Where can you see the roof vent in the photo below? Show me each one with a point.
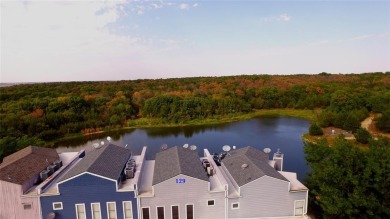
(244, 166)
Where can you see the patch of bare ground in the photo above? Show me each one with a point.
(333, 132)
(369, 124)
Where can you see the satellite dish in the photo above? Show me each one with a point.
(102, 142)
(51, 215)
(126, 146)
(185, 146)
(234, 147)
(193, 147)
(226, 148)
(164, 147)
(267, 150)
(243, 166)
(108, 138)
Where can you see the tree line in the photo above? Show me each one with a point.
(39, 113)
(348, 182)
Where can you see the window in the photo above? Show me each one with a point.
(27, 206)
(210, 202)
(235, 206)
(299, 205)
(175, 212)
(160, 213)
(145, 213)
(127, 210)
(190, 211)
(57, 205)
(80, 211)
(111, 210)
(96, 211)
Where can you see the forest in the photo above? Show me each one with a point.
(41, 113)
(346, 180)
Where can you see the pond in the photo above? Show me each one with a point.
(272, 132)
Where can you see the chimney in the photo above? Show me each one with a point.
(278, 158)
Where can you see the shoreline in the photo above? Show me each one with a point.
(158, 123)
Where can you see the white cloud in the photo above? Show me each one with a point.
(195, 5)
(284, 18)
(362, 37)
(184, 6)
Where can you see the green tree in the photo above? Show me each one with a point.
(383, 122)
(346, 182)
(362, 135)
(351, 123)
(315, 129)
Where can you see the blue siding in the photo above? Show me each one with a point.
(87, 189)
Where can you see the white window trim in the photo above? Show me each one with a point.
(77, 215)
(178, 210)
(237, 204)
(157, 211)
(123, 206)
(54, 208)
(100, 209)
(108, 213)
(193, 210)
(303, 206)
(142, 211)
(211, 200)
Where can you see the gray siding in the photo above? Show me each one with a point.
(193, 191)
(11, 203)
(265, 197)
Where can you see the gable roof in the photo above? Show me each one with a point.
(178, 160)
(27, 163)
(107, 161)
(257, 165)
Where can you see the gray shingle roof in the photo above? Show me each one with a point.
(257, 162)
(107, 161)
(178, 160)
(27, 163)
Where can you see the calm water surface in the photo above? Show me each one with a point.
(280, 132)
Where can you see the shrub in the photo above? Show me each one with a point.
(362, 135)
(315, 129)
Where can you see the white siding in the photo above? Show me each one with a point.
(193, 191)
(11, 203)
(265, 197)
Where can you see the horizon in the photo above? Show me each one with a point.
(43, 42)
(314, 74)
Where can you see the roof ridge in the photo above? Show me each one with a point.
(178, 160)
(14, 157)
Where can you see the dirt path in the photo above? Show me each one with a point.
(367, 122)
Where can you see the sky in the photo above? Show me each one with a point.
(44, 41)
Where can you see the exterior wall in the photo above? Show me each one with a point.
(231, 179)
(11, 203)
(265, 197)
(87, 189)
(30, 183)
(193, 191)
